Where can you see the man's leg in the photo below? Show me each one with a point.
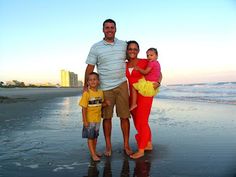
(125, 127)
(122, 108)
(107, 126)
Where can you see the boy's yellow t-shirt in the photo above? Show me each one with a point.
(93, 102)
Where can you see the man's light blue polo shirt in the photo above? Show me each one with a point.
(110, 61)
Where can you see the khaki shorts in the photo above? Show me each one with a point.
(118, 97)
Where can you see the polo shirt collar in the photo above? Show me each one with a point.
(108, 43)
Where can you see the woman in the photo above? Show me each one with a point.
(141, 113)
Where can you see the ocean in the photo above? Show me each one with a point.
(220, 92)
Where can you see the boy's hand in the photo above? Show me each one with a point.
(85, 124)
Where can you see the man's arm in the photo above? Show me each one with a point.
(88, 70)
(160, 79)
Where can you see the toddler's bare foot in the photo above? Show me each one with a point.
(132, 107)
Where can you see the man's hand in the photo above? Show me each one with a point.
(88, 70)
(156, 85)
(106, 103)
(85, 88)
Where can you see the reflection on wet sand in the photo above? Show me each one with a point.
(141, 169)
(92, 169)
(125, 168)
(107, 172)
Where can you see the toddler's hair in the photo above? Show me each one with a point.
(153, 49)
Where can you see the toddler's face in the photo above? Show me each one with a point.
(151, 55)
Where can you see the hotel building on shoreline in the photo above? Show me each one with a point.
(69, 79)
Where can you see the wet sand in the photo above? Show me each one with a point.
(42, 137)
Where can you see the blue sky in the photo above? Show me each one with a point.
(196, 39)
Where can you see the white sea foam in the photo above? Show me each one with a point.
(17, 163)
(223, 92)
(69, 167)
(33, 166)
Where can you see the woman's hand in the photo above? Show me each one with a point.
(136, 68)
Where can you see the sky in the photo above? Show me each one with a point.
(196, 39)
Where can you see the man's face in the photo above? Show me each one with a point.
(109, 31)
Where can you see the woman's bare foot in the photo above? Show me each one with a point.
(95, 158)
(132, 107)
(149, 147)
(137, 155)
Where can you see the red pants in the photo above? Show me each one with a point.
(140, 117)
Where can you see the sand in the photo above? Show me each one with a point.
(42, 137)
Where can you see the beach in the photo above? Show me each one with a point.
(40, 135)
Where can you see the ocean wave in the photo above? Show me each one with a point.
(199, 99)
(220, 92)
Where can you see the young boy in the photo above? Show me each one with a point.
(92, 102)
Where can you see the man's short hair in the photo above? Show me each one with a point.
(109, 21)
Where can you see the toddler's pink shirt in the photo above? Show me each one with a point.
(155, 72)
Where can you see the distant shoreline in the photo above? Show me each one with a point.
(13, 95)
(203, 83)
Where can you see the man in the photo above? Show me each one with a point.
(109, 56)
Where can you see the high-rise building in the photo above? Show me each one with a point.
(69, 79)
